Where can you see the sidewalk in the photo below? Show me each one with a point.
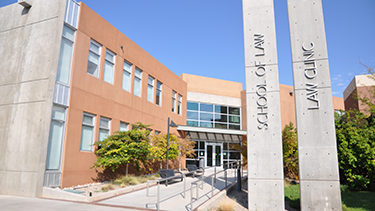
(16, 203)
(171, 198)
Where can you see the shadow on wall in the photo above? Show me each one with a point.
(109, 175)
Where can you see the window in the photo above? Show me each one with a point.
(124, 126)
(56, 138)
(94, 58)
(65, 58)
(87, 134)
(213, 116)
(104, 128)
(157, 132)
(173, 101)
(126, 76)
(158, 93)
(109, 66)
(150, 89)
(137, 82)
(179, 104)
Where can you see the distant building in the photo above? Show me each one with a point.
(361, 86)
(69, 79)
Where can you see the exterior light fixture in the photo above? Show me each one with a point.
(25, 3)
(170, 124)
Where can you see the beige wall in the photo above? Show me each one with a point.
(93, 95)
(212, 86)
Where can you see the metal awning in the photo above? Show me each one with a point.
(212, 134)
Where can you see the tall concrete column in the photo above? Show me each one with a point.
(318, 166)
(265, 155)
(30, 40)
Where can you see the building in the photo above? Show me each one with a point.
(361, 86)
(66, 85)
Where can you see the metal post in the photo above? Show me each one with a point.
(158, 196)
(168, 143)
(215, 174)
(238, 180)
(212, 187)
(184, 186)
(147, 189)
(191, 197)
(225, 175)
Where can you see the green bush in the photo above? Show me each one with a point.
(355, 134)
(290, 152)
(124, 147)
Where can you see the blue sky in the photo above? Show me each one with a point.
(205, 37)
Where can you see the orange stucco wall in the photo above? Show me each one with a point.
(212, 86)
(93, 95)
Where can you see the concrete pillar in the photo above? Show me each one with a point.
(265, 155)
(30, 39)
(318, 166)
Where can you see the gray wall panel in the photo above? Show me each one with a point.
(318, 165)
(265, 167)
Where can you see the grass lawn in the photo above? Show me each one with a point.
(352, 201)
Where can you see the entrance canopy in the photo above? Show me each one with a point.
(212, 134)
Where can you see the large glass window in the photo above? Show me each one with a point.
(173, 101)
(104, 128)
(65, 57)
(150, 89)
(209, 115)
(192, 106)
(158, 93)
(179, 104)
(126, 76)
(87, 134)
(56, 138)
(137, 82)
(94, 58)
(109, 66)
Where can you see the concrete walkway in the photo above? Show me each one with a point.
(171, 198)
(16, 203)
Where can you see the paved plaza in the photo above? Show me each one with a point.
(172, 197)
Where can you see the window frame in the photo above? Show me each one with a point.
(101, 128)
(129, 72)
(97, 54)
(127, 126)
(174, 101)
(59, 67)
(179, 104)
(107, 51)
(63, 122)
(150, 88)
(93, 116)
(158, 91)
(140, 81)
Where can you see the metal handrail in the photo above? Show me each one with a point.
(165, 179)
(213, 178)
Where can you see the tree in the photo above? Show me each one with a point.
(243, 150)
(159, 148)
(186, 148)
(124, 147)
(355, 133)
(290, 151)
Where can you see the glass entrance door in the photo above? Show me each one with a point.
(214, 154)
